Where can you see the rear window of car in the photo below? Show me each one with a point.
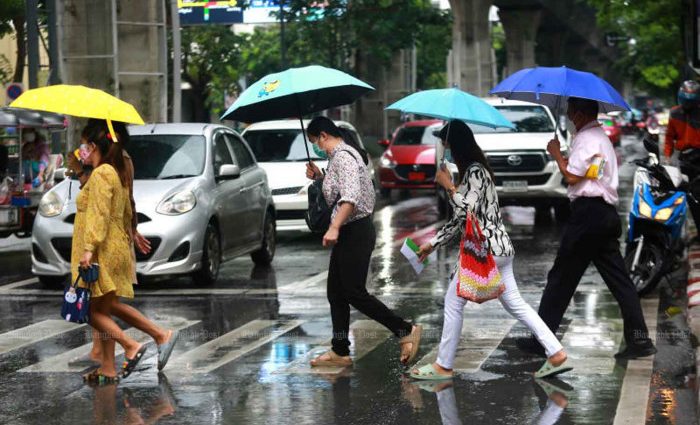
(408, 136)
(525, 118)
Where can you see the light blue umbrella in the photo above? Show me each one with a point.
(294, 93)
(451, 104)
(552, 86)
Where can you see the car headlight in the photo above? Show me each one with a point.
(178, 203)
(644, 209)
(663, 214)
(50, 205)
(388, 163)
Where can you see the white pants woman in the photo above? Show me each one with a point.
(511, 300)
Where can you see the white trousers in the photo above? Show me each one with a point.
(510, 299)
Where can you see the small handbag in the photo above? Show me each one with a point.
(76, 300)
(479, 278)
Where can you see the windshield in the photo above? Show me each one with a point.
(525, 118)
(161, 156)
(412, 136)
(278, 145)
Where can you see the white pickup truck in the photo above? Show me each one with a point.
(525, 173)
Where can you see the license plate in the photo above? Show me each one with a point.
(515, 186)
(9, 217)
(416, 176)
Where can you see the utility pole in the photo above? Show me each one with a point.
(54, 75)
(177, 62)
(32, 43)
(283, 47)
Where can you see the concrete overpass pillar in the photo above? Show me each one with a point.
(471, 62)
(520, 26)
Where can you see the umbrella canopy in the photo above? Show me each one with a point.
(79, 101)
(553, 86)
(294, 93)
(452, 104)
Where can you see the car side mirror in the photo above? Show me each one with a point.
(59, 174)
(384, 142)
(229, 172)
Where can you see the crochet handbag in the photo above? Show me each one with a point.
(479, 278)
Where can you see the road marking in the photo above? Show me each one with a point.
(478, 341)
(365, 336)
(230, 346)
(22, 337)
(634, 394)
(69, 360)
(591, 345)
(21, 283)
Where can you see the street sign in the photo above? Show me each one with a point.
(193, 12)
(261, 12)
(13, 91)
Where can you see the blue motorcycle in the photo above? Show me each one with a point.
(656, 229)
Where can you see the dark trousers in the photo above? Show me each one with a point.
(591, 235)
(347, 277)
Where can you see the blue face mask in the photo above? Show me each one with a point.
(448, 155)
(319, 152)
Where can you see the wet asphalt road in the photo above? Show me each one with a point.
(242, 357)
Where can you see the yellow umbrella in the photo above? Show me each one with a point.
(79, 101)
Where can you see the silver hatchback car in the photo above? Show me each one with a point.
(201, 198)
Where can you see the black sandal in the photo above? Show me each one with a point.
(101, 379)
(130, 364)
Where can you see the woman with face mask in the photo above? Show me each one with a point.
(476, 195)
(348, 186)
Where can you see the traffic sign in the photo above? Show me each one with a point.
(13, 91)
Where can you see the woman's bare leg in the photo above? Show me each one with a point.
(100, 319)
(136, 319)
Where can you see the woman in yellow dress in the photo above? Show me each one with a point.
(100, 236)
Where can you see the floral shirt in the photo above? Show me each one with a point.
(348, 180)
(477, 193)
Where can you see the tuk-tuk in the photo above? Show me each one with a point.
(20, 192)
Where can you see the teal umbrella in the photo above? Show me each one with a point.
(294, 93)
(451, 104)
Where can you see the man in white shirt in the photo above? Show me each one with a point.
(592, 231)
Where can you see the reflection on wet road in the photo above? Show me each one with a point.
(246, 341)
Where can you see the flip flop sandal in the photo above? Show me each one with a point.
(428, 373)
(166, 349)
(434, 386)
(130, 364)
(548, 370)
(334, 360)
(92, 375)
(101, 379)
(413, 338)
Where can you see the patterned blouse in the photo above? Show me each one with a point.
(477, 193)
(347, 176)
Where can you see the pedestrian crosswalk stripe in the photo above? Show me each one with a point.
(365, 336)
(637, 382)
(19, 284)
(22, 337)
(69, 361)
(591, 345)
(479, 340)
(230, 346)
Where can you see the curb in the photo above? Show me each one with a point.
(693, 291)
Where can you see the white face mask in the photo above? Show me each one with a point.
(30, 137)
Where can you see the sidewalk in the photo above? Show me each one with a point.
(693, 291)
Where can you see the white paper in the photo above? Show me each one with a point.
(412, 258)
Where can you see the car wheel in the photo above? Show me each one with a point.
(211, 257)
(52, 282)
(562, 212)
(264, 256)
(385, 193)
(543, 214)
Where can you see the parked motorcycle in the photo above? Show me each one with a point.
(656, 229)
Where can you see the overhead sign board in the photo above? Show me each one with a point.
(261, 12)
(194, 12)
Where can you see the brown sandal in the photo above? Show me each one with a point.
(334, 360)
(414, 339)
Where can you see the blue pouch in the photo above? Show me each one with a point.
(76, 300)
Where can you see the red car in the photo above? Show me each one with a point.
(612, 128)
(409, 160)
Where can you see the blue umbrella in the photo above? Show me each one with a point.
(451, 104)
(294, 93)
(552, 86)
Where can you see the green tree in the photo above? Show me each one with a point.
(655, 60)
